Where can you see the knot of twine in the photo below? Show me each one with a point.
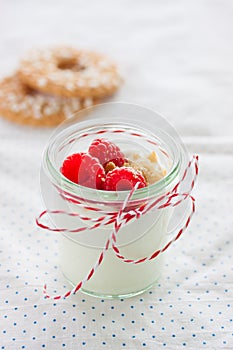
(119, 219)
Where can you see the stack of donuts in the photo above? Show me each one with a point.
(50, 85)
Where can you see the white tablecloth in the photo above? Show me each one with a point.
(176, 57)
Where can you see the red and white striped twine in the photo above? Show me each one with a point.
(170, 199)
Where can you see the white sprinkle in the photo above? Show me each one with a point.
(67, 73)
(48, 110)
(42, 81)
(30, 100)
(37, 65)
(15, 108)
(80, 83)
(36, 112)
(22, 106)
(39, 101)
(69, 86)
(67, 111)
(88, 102)
(54, 103)
(89, 73)
(54, 76)
(93, 83)
(103, 64)
(84, 61)
(11, 97)
(106, 79)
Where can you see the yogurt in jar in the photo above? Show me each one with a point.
(136, 239)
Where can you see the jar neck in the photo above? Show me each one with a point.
(75, 139)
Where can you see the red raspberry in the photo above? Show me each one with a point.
(106, 151)
(123, 179)
(84, 170)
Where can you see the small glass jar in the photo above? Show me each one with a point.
(137, 238)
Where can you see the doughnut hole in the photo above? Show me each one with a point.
(70, 64)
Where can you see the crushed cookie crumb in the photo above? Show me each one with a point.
(153, 157)
(109, 167)
(148, 165)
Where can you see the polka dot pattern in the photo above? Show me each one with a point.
(190, 307)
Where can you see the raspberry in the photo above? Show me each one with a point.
(123, 179)
(106, 151)
(83, 169)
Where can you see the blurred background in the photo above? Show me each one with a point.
(176, 56)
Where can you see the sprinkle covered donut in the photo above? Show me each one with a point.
(23, 105)
(68, 72)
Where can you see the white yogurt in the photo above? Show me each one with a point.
(114, 277)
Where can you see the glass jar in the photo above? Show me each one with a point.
(117, 275)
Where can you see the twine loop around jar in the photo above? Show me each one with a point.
(170, 199)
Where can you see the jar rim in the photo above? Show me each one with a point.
(109, 196)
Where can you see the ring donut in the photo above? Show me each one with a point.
(69, 72)
(23, 105)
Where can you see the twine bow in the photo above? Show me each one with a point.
(119, 219)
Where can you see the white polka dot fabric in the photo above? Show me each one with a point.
(190, 306)
(177, 59)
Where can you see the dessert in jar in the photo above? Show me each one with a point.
(94, 170)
